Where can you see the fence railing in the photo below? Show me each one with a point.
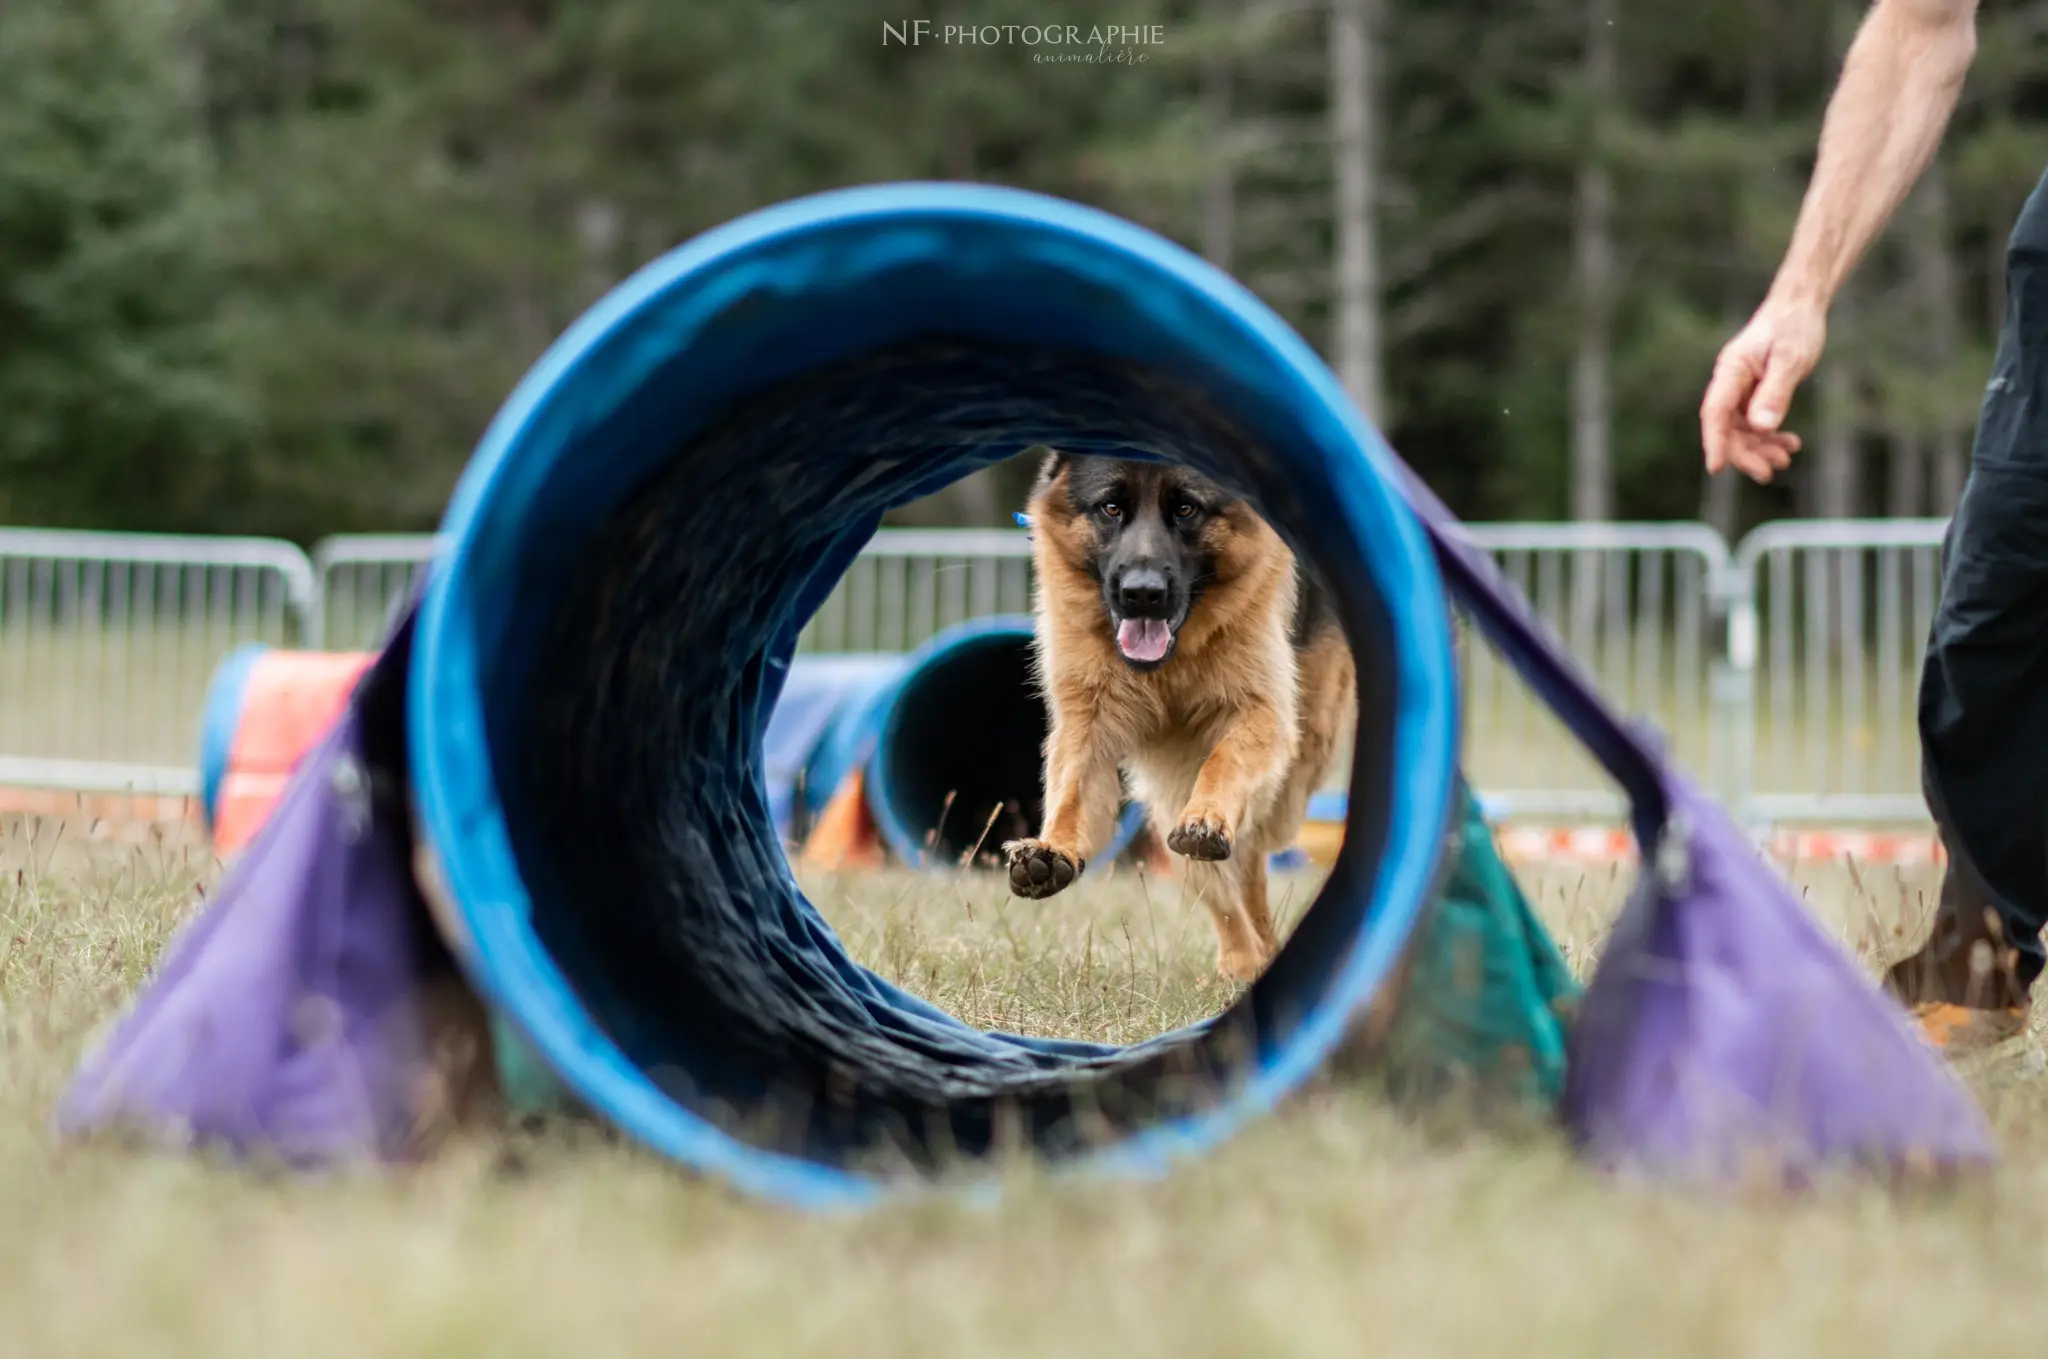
(108, 640)
(907, 586)
(910, 584)
(363, 578)
(1642, 608)
(1782, 672)
(1830, 620)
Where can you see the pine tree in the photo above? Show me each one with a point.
(118, 408)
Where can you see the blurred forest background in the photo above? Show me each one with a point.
(271, 265)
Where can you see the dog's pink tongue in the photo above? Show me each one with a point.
(1143, 639)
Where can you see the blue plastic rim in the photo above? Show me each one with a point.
(220, 716)
(789, 293)
(960, 728)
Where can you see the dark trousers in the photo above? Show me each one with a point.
(1984, 687)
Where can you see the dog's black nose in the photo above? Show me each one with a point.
(1142, 593)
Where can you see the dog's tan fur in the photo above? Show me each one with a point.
(1223, 744)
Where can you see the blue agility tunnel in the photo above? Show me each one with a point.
(645, 528)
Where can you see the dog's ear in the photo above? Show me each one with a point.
(1051, 463)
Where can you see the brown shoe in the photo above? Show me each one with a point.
(1962, 985)
(1957, 1029)
(1967, 960)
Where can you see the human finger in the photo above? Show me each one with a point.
(1720, 409)
(1783, 372)
(1761, 456)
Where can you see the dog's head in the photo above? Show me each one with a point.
(1151, 536)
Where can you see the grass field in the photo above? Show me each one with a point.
(1334, 1228)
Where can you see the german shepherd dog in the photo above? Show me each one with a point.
(1179, 647)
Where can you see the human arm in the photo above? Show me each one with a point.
(1898, 88)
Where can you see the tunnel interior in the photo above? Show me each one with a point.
(657, 513)
(958, 760)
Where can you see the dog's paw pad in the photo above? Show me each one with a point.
(1200, 837)
(1038, 870)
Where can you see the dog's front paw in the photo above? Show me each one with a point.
(1243, 962)
(1037, 870)
(1201, 834)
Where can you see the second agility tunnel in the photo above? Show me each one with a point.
(942, 747)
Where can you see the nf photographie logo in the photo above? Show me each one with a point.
(1112, 44)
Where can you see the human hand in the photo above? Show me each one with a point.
(1754, 378)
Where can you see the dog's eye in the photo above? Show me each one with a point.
(1184, 510)
(1112, 509)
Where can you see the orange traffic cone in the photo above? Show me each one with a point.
(845, 836)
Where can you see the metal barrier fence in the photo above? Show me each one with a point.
(1782, 673)
(108, 640)
(362, 579)
(1642, 608)
(1830, 621)
(906, 586)
(910, 584)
